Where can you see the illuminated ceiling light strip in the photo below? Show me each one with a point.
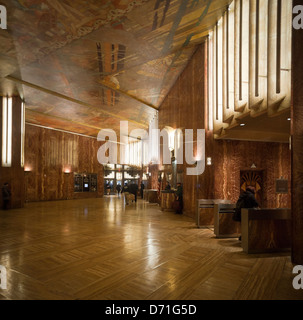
(7, 113)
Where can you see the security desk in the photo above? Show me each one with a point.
(205, 211)
(266, 230)
(225, 226)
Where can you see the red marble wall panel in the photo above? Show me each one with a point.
(231, 157)
(49, 154)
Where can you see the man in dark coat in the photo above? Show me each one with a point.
(246, 200)
(133, 189)
(168, 187)
(118, 188)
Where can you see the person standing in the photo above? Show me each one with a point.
(125, 190)
(108, 189)
(142, 190)
(168, 186)
(118, 188)
(133, 189)
(6, 196)
(179, 199)
(247, 200)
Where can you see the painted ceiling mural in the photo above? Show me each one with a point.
(83, 66)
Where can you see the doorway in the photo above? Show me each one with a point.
(253, 178)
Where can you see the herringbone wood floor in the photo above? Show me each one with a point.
(97, 249)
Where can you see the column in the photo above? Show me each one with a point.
(297, 144)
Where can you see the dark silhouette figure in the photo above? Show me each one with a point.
(142, 189)
(179, 199)
(6, 196)
(133, 189)
(246, 200)
(168, 187)
(118, 188)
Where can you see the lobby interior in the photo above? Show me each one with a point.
(73, 72)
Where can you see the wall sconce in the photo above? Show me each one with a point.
(67, 169)
(27, 169)
(209, 161)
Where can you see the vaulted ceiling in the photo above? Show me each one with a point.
(82, 66)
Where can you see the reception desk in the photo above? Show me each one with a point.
(266, 230)
(167, 200)
(205, 211)
(145, 194)
(225, 226)
(150, 195)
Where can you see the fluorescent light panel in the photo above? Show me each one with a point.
(7, 116)
(22, 133)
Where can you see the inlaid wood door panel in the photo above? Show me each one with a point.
(254, 179)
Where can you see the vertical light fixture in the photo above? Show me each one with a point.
(220, 48)
(211, 83)
(22, 133)
(7, 113)
(154, 138)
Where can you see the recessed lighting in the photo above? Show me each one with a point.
(242, 125)
(289, 119)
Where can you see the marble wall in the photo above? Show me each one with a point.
(49, 154)
(232, 157)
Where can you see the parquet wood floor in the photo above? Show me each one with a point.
(98, 249)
